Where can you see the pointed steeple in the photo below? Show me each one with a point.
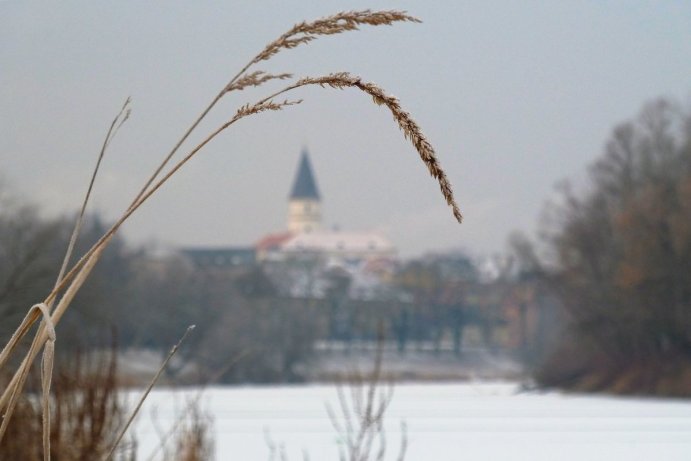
(304, 187)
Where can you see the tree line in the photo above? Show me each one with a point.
(143, 301)
(618, 255)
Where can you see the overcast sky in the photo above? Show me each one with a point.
(513, 95)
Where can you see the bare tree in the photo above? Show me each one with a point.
(623, 253)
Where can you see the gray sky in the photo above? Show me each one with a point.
(513, 95)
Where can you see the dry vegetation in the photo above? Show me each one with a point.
(85, 409)
(88, 414)
(363, 402)
(55, 304)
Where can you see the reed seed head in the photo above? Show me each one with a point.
(262, 106)
(256, 78)
(411, 130)
(305, 32)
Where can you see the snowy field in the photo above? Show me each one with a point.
(445, 422)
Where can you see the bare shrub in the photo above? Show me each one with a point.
(193, 441)
(363, 401)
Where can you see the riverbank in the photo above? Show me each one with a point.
(333, 364)
(668, 376)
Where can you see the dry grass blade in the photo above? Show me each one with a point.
(118, 121)
(153, 382)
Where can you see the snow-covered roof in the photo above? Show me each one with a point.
(339, 242)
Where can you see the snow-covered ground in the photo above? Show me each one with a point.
(485, 421)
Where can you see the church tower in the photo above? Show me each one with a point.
(304, 206)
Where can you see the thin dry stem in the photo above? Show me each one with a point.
(118, 121)
(46, 374)
(153, 382)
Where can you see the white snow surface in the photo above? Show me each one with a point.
(460, 421)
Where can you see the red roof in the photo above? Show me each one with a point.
(272, 241)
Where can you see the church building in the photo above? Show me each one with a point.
(306, 234)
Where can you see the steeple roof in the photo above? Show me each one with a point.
(304, 187)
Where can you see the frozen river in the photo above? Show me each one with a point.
(444, 422)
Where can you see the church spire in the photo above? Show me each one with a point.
(304, 208)
(304, 187)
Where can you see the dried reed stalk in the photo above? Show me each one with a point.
(299, 34)
(115, 125)
(46, 372)
(153, 382)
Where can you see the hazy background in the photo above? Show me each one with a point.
(513, 95)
